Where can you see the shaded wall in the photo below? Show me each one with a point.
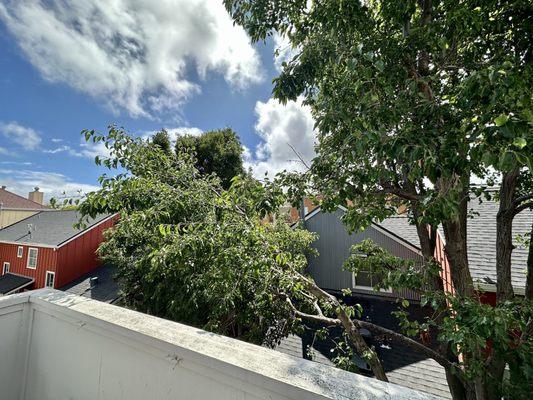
(334, 246)
(9, 217)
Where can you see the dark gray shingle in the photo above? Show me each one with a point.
(48, 228)
(481, 240)
(105, 288)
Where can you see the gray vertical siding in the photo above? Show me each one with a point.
(334, 245)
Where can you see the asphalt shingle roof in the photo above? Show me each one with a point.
(403, 365)
(399, 226)
(48, 228)
(12, 200)
(10, 282)
(105, 288)
(481, 240)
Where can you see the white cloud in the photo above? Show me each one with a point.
(59, 149)
(92, 150)
(57, 140)
(22, 182)
(133, 55)
(285, 51)
(86, 149)
(23, 136)
(174, 133)
(283, 129)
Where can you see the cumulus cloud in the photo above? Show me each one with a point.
(53, 184)
(26, 137)
(132, 55)
(283, 129)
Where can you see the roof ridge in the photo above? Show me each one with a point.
(23, 198)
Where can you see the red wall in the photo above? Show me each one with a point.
(46, 261)
(78, 257)
(446, 274)
(69, 261)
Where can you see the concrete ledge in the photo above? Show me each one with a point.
(248, 371)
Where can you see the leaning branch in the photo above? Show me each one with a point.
(523, 207)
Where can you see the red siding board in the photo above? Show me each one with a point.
(78, 257)
(46, 261)
(69, 261)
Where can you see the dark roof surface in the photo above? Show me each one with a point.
(11, 282)
(12, 200)
(48, 228)
(402, 365)
(105, 289)
(481, 240)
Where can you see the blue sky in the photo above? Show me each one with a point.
(86, 65)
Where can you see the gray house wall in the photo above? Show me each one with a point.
(333, 246)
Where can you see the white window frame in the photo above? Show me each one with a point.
(20, 252)
(36, 256)
(369, 288)
(53, 279)
(5, 267)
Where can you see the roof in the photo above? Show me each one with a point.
(48, 228)
(11, 283)
(14, 201)
(481, 240)
(403, 365)
(104, 289)
(400, 226)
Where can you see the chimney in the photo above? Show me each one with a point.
(36, 196)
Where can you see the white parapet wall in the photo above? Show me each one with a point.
(56, 346)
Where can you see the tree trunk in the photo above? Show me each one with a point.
(529, 279)
(504, 237)
(455, 232)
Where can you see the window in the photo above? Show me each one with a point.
(365, 280)
(20, 251)
(5, 269)
(50, 278)
(32, 258)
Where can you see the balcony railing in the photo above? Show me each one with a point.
(55, 346)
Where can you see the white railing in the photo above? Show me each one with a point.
(55, 346)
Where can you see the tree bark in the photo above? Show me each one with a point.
(504, 236)
(350, 328)
(455, 232)
(529, 279)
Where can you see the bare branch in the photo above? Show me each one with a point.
(398, 337)
(299, 156)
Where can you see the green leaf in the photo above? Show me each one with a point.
(520, 142)
(501, 120)
(380, 65)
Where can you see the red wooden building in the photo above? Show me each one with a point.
(46, 250)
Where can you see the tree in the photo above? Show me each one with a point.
(218, 151)
(162, 140)
(411, 99)
(189, 250)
